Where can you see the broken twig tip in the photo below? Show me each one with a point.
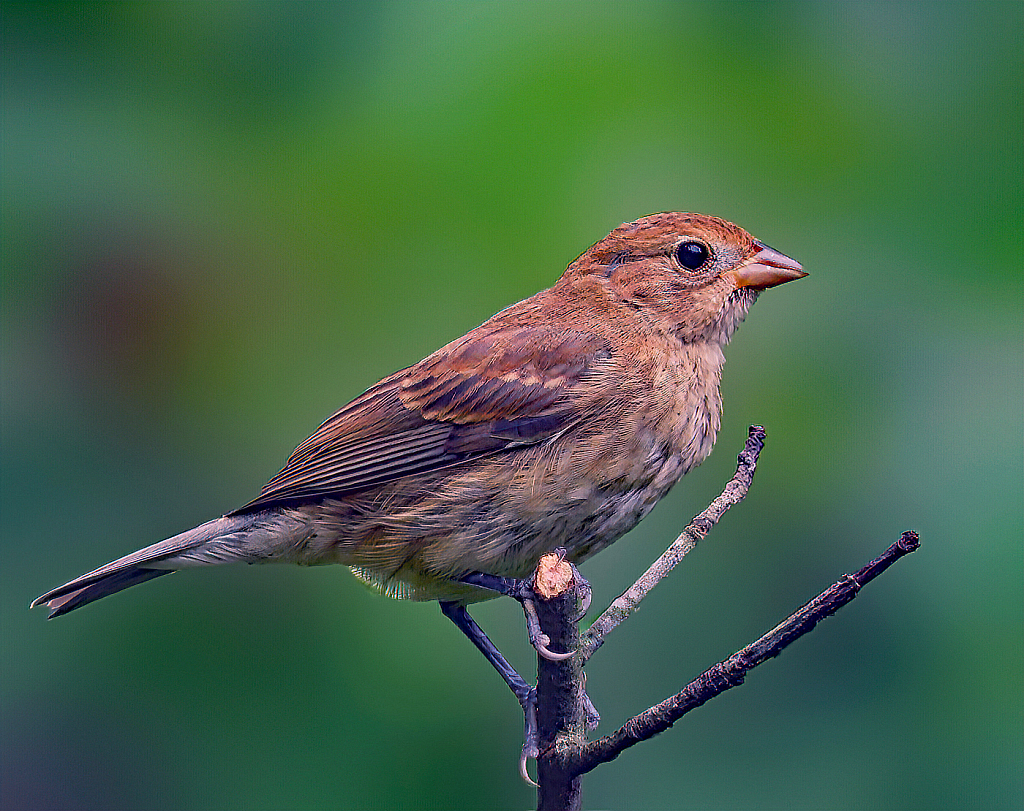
(553, 576)
(909, 541)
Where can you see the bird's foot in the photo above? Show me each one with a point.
(525, 593)
(531, 736)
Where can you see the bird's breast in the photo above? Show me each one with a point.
(662, 423)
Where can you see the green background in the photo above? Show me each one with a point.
(221, 221)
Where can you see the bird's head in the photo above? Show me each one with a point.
(696, 274)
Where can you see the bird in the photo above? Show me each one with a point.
(558, 423)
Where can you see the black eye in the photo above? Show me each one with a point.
(692, 254)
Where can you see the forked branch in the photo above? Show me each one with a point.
(565, 753)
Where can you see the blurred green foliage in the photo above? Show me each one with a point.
(221, 221)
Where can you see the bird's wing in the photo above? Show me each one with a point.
(480, 394)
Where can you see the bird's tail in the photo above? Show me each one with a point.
(224, 540)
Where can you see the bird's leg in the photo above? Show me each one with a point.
(522, 591)
(526, 693)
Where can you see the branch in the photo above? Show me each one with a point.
(731, 672)
(561, 718)
(698, 528)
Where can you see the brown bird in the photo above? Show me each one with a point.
(559, 422)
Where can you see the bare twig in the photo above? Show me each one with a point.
(698, 528)
(731, 672)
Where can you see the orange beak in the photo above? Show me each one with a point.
(767, 268)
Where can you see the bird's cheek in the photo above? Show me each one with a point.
(703, 304)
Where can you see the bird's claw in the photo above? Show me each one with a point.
(525, 593)
(531, 736)
(538, 638)
(523, 771)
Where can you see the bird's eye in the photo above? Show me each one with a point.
(692, 254)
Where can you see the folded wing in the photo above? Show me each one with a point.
(482, 394)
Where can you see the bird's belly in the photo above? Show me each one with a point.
(497, 519)
(412, 538)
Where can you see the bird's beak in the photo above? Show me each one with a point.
(767, 268)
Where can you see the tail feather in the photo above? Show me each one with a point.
(61, 603)
(219, 541)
